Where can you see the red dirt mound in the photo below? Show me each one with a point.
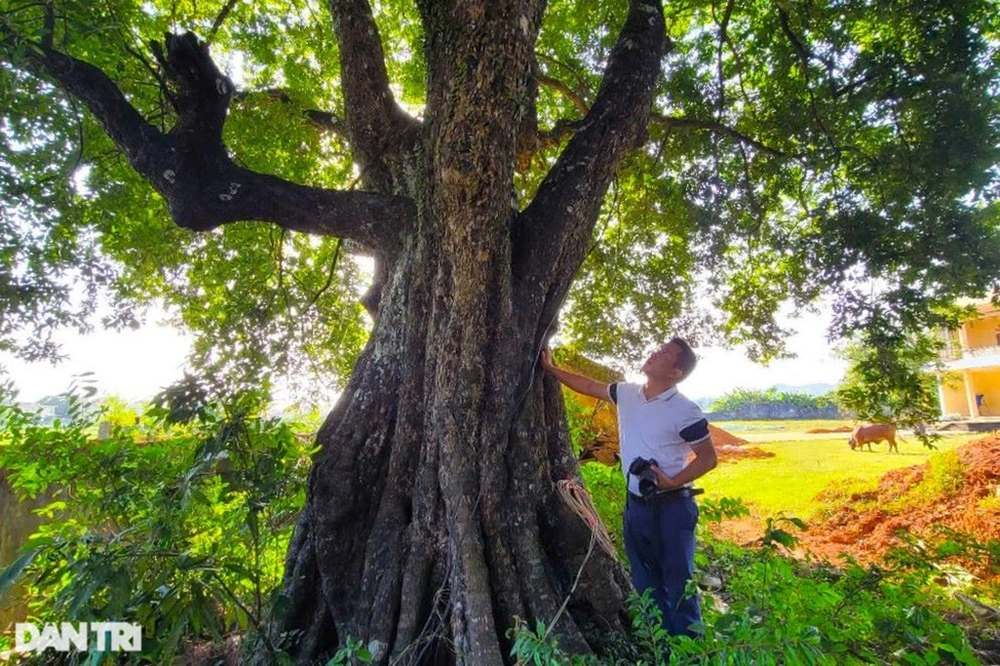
(730, 452)
(730, 447)
(722, 437)
(866, 523)
(818, 431)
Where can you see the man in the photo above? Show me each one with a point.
(657, 423)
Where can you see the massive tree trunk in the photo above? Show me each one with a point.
(432, 518)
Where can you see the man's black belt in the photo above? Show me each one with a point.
(663, 496)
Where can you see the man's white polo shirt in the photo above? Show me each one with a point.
(662, 428)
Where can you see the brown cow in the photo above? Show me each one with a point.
(873, 433)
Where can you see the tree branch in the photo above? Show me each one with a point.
(48, 27)
(562, 129)
(551, 234)
(378, 129)
(221, 18)
(326, 121)
(723, 39)
(670, 123)
(578, 101)
(322, 120)
(582, 89)
(804, 57)
(190, 166)
(533, 140)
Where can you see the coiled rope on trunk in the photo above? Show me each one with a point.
(576, 497)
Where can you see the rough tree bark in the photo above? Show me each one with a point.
(432, 519)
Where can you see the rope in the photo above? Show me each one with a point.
(578, 500)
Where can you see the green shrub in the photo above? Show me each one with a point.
(606, 486)
(946, 474)
(776, 610)
(580, 421)
(184, 534)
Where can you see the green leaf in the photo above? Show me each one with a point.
(12, 573)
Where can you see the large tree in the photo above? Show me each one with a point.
(759, 153)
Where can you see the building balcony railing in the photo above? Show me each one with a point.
(977, 352)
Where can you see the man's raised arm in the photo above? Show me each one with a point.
(578, 383)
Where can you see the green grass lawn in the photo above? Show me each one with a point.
(801, 468)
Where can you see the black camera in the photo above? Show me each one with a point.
(640, 467)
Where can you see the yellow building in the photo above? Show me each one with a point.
(970, 384)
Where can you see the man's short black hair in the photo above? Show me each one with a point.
(686, 360)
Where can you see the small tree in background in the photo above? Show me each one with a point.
(888, 379)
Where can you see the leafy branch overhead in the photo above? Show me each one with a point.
(189, 165)
(792, 150)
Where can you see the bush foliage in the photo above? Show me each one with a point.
(774, 404)
(181, 528)
(776, 610)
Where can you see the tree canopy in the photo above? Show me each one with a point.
(795, 149)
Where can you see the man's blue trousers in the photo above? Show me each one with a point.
(659, 542)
